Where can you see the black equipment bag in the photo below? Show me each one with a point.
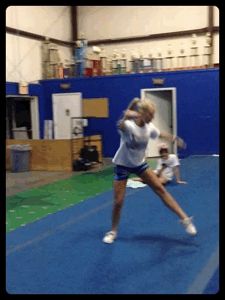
(81, 164)
(89, 153)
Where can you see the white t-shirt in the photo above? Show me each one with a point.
(171, 162)
(133, 143)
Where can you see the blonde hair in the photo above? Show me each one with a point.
(142, 105)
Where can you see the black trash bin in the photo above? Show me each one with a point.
(20, 158)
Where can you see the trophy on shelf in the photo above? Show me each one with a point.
(114, 61)
(134, 62)
(169, 58)
(194, 52)
(181, 63)
(118, 67)
(207, 50)
(150, 59)
(131, 62)
(96, 61)
(103, 60)
(109, 65)
(79, 55)
(123, 61)
(147, 63)
(159, 62)
(141, 63)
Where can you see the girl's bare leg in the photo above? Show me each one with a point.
(150, 178)
(119, 194)
(161, 179)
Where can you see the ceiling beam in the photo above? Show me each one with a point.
(210, 30)
(35, 36)
(153, 36)
(74, 22)
(166, 35)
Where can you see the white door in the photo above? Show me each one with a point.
(34, 117)
(165, 116)
(65, 107)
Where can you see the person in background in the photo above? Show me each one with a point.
(167, 168)
(136, 128)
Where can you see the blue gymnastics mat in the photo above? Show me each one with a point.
(63, 253)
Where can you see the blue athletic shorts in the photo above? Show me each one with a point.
(122, 172)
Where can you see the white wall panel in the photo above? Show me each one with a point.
(103, 22)
(23, 58)
(216, 16)
(52, 21)
(23, 55)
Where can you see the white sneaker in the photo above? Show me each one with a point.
(109, 237)
(189, 226)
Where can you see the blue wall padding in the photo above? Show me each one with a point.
(197, 105)
(12, 88)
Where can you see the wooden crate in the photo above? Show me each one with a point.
(54, 155)
(46, 155)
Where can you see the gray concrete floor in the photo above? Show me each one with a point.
(21, 181)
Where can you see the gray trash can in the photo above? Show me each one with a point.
(20, 158)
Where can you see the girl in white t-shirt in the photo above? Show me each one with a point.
(136, 129)
(168, 166)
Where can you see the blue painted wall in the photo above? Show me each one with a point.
(12, 88)
(197, 105)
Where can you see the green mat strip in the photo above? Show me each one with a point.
(33, 204)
